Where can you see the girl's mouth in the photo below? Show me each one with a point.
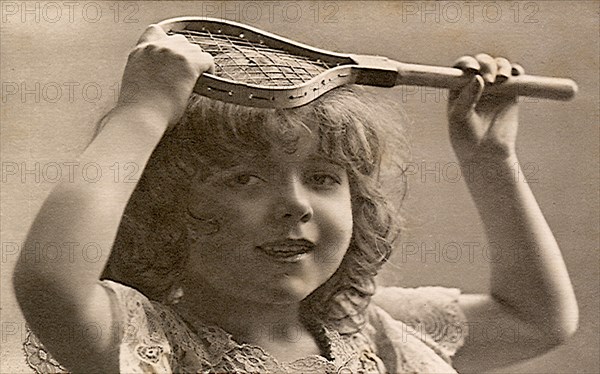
(287, 250)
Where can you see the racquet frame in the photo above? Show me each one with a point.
(342, 69)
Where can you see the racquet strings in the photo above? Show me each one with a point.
(245, 61)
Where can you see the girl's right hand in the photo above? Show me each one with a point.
(161, 73)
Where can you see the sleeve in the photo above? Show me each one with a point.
(433, 312)
(144, 347)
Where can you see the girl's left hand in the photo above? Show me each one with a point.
(483, 127)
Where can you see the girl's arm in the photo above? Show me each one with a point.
(62, 300)
(531, 307)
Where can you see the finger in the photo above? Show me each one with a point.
(461, 107)
(517, 69)
(467, 63)
(152, 32)
(504, 69)
(208, 63)
(180, 39)
(488, 67)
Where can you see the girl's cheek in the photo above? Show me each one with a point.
(213, 211)
(207, 213)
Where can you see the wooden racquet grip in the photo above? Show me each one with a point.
(452, 78)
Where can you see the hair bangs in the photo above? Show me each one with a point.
(222, 134)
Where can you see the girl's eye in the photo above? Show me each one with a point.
(242, 180)
(324, 180)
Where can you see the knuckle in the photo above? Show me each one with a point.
(484, 57)
(148, 46)
(141, 48)
(151, 46)
(461, 60)
(208, 57)
(178, 38)
(467, 63)
(517, 69)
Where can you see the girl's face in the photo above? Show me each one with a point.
(270, 229)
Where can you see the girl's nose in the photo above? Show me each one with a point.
(295, 203)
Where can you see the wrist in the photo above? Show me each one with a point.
(145, 117)
(163, 103)
(492, 171)
(485, 152)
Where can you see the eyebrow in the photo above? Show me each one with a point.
(323, 159)
(319, 161)
(314, 158)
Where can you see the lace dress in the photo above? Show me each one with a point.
(157, 340)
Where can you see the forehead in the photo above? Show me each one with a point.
(305, 149)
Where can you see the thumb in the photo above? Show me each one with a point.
(152, 32)
(463, 101)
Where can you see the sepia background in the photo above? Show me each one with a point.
(62, 61)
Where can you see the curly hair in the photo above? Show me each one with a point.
(150, 250)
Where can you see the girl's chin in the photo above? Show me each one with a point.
(286, 293)
(282, 297)
(279, 290)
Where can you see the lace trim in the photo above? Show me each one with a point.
(370, 362)
(227, 355)
(143, 348)
(433, 312)
(403, 349)
(38, 358)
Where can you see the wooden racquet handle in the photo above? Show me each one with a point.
(451, 78)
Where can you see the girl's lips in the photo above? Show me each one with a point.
(287, 249)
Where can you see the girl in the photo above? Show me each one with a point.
(252, 239)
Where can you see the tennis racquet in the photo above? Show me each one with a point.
(260, 69)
